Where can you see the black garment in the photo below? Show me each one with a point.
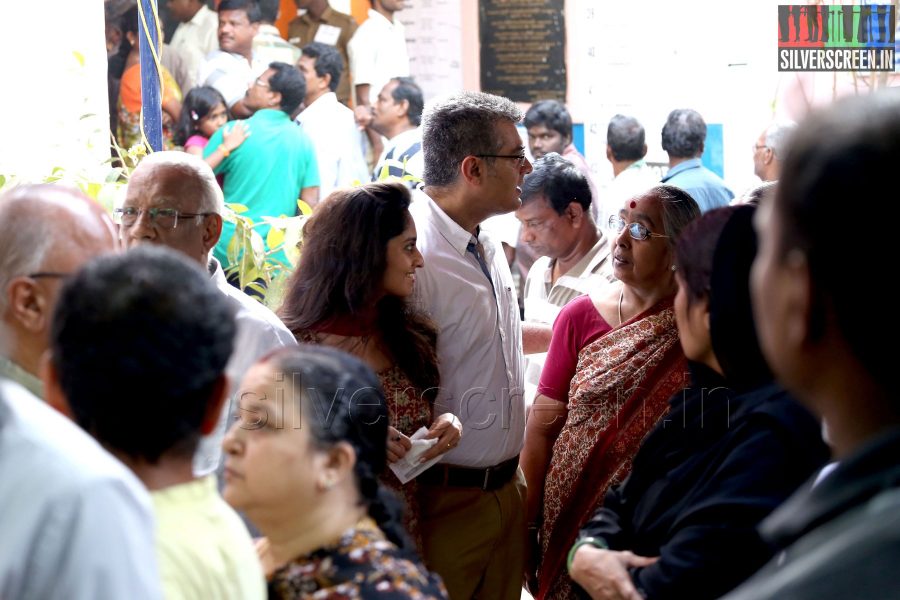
(718, 464)
(842, 536)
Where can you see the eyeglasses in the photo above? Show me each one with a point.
(534, 225)
(261, 83)
(164, 218)
(49, 275)
(520, 158)
(758, 146)
(635, 230)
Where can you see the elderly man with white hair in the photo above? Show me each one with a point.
(46, 233)
(173, 200)
(66, 501)
(768, 151)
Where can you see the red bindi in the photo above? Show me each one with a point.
(633, 204)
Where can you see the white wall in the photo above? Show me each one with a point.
(47, 89)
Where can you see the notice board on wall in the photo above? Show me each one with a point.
(523, 49)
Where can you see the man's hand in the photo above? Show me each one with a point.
(363, 116)
(604, 573)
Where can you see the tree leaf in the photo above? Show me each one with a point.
(275, 238)
(238, 208)
(305, 209)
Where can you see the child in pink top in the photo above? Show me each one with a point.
(203, 113)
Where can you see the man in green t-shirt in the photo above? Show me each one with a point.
(276, 164)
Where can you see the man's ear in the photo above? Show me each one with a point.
(472, 169)
(215, 404)
(28, 305)
(609, 154)
(53, 393)
(575, 213)
(404, 107)
(275, 98)
(212, 231)
(802, 319)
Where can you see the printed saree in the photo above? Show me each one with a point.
(622, 385)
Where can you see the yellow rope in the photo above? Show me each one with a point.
(156, 61)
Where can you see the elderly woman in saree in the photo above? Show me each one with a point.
(733, 447)
(614, 361)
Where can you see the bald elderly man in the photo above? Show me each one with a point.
(46, 233)
(66, 501)
(173, 200)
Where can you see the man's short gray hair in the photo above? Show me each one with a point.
(25, 237)
(193, 168)
(684, 133)
(777, 136)
(460, 126)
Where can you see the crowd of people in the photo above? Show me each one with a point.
(688, 401)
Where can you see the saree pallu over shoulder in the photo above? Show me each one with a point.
(621, 389)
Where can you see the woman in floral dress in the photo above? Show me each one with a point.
(350, 290)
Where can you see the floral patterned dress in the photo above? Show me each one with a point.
(408, 411)
(363, 564)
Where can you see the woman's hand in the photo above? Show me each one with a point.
(235, 135)
(604, 573)
(398, 445)
(448, 430)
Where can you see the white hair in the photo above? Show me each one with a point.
(25, 238)
(777, 136)
(192, 167)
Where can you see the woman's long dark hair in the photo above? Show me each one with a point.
(197, 104)
(347, 405)
(341, 270)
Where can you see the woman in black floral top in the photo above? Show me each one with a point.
(303, 463)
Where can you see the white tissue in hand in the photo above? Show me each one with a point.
(408, 468)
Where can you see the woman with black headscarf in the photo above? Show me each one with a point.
(732, 448)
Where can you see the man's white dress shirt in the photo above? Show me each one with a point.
(479, 343)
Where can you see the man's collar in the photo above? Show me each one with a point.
(451, 231)
(374, 14)
(691, 163)
(413, 133)
(270, 114)
(12, 371)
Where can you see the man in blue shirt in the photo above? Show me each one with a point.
(683, 137)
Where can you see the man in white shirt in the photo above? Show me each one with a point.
(329, 123)
(377, 53)
(232, 67)
(473, 520)
(625, 150)
(76, 523)
(574, 258)
(194, 38)
(396, 115)
(185, 183)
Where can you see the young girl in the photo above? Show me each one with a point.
(202, 115)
